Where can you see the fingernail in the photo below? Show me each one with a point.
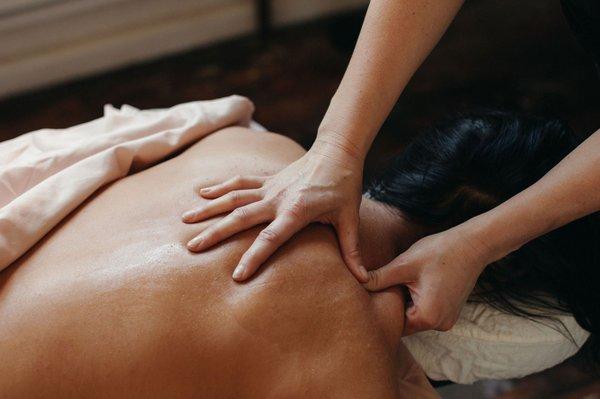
(238, 272)
(187, 215)
(205, 190)
(195, 244)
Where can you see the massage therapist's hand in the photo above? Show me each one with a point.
(439, 272)
(322, 186)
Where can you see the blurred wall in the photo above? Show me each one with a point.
(45, 42)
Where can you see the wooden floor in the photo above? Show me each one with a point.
(509, 54)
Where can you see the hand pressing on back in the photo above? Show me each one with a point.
(323, 186)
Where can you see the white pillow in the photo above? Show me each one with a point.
(488, 344)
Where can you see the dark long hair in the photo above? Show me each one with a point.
(470, 164)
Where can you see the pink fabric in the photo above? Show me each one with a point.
(46, 174)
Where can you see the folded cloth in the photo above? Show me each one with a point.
(486, 343)
(46, 174)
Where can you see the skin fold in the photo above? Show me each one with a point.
(111, 304)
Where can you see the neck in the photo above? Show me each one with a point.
(384, 233)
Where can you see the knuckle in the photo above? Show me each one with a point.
(237, 179)
(240, 214)
(304, 191)
(304, 195)
(297, 209)
(267, 200)
(375, 278)
(280, 196)
(354, 252)
(266, 207)
(234, 197)
(268, 236)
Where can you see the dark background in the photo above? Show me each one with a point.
(511, 54)
(517, 55)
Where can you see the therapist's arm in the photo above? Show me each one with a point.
(397, 35)
(441, 270)
(569, 191)
(325, 184)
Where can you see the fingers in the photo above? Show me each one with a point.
(235, 183)
(396, 272)
(239, 220)
(267, 242)
(226, 203)
(347, 231)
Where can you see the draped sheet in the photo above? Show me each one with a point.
(46, 174)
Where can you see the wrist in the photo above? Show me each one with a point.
(334, 145)
(486, 239)
(473, 246)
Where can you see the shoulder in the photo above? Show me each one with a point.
(237, 138)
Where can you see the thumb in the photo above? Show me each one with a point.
(347, 230)
(394, 273)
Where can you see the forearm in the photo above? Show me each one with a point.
(568, 192)
(395, 38)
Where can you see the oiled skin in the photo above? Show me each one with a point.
(111, 304)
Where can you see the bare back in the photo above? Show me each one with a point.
(111, 303)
